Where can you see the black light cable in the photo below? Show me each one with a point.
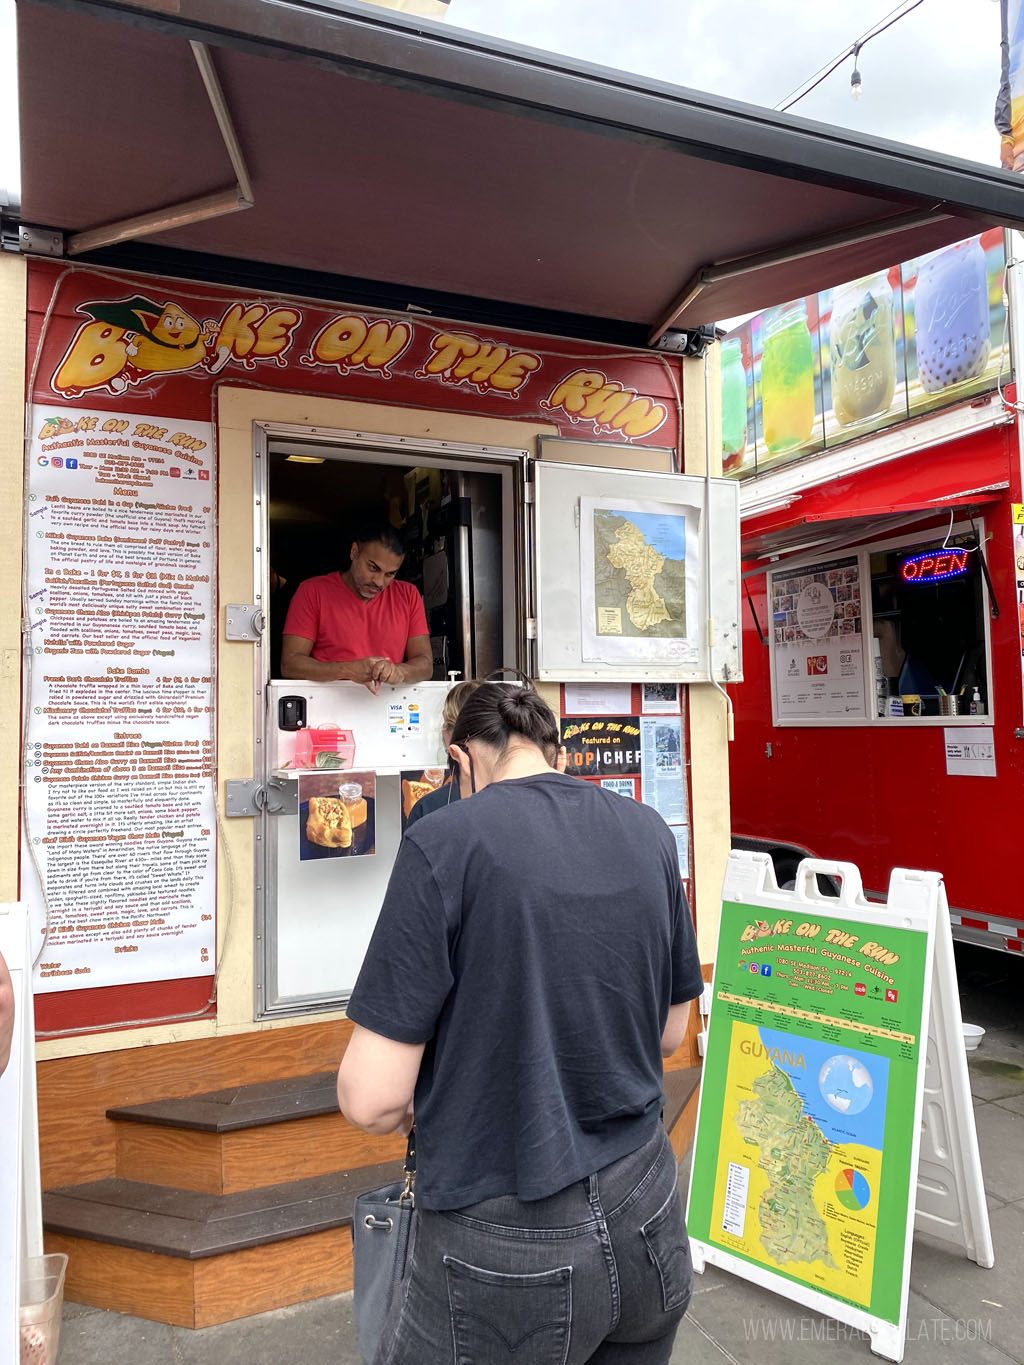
(893, 17)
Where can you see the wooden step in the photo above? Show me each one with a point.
(179, 1222)
(245, 1137)
(239, 1106)
(219, 1237)
(174, 1255)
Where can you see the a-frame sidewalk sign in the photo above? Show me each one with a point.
(835, 1112)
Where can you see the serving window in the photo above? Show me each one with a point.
(928, 629)
(888, 634)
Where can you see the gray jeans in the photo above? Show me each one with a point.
(599, 1272)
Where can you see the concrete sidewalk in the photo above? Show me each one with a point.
(957, 1308)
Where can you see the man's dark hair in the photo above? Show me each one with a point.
(498, 712)
(378, 528)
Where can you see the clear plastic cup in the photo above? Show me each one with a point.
(40, 1305)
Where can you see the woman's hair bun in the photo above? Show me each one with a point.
(496, 711)
(513, 705)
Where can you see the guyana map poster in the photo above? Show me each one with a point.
(804, 1150)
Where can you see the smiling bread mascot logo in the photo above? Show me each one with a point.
(128, 340)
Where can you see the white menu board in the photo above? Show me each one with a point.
(817, 640)
(119, 843)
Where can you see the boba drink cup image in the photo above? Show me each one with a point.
(951, 315)
(862, 351)
(787, 380)
(734, 405)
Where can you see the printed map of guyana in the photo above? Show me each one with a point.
(794, 1152)
(640, 574)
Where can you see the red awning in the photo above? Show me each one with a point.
(843, 510)
(829, 531)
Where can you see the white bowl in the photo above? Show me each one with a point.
(973, 1034)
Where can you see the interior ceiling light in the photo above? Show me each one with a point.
(304, 459)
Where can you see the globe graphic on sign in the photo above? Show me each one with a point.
(845, 1084)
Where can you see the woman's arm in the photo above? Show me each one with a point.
(376, 1081)
(675, 1028)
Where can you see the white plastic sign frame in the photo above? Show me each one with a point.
(912, 909)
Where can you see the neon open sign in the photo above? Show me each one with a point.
(934, 565)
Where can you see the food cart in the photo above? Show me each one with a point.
(347, 259)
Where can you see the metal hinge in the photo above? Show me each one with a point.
(531, 627)
(529, 494)
(243, 621)
(37, 241)
(278, 797)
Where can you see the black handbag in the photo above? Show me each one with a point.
(382, 1231)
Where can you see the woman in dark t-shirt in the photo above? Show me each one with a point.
(533, 960)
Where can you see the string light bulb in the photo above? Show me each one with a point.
(855, 90)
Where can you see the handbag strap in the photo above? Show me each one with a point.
(410, 1171)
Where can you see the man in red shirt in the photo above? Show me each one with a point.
(361, 625)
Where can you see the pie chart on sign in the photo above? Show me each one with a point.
(852, 1190)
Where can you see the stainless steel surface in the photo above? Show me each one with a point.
(485, 600)
(492, 477)
(37, 241)
(559, 587)
(252, 799)
(264, 847)
(244, 622)
(379, 446)
(464, 588)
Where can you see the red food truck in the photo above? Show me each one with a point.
(879, 718)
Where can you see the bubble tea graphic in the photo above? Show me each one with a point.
(734, 405)
(787, 379)
(952, 316)
(863, 355)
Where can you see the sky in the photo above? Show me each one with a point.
(930, 80)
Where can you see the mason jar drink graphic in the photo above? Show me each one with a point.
(952, 316)
(787, 379)
(862, 349)
(734, 405)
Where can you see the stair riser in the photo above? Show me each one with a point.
(204, 1293)
(227, 1163)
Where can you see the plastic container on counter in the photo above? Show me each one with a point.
(324, 746)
